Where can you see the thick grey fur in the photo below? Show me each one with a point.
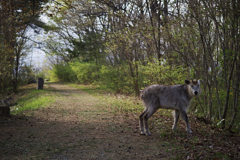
(176, 97)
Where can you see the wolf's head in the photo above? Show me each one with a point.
(193, 87)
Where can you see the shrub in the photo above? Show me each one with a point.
(85, 72)
(116, 78)
(159, 72)
(62, 73)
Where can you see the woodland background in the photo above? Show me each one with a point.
(125, 45)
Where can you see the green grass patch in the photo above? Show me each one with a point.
(33, 99)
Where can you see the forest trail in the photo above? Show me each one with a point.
(78, 126)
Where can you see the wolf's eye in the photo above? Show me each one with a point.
(191, 85)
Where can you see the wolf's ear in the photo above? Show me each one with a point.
(199, 81)
(187, 81)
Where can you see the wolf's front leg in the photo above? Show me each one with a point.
(185, 118)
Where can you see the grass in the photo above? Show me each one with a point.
(33, 99)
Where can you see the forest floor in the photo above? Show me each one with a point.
(80, 125)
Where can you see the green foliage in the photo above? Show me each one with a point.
(160, 72)
(86, 47)
(86, 72)
(117, 78)
(62, 73)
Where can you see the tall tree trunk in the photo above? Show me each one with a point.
(228, 91)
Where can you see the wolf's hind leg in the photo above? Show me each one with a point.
(176, 114)
(141, 121)
(149, 113)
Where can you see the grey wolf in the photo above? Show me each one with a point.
(175, 97)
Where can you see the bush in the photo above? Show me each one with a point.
(85, 72)
(117, 78)
(156, 73)
(62, 73)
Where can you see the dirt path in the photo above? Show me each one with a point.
(77, 126)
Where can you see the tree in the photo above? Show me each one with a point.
(16, 18)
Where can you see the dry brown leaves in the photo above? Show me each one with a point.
(81, 126)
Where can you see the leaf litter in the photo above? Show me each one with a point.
(82, 126)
